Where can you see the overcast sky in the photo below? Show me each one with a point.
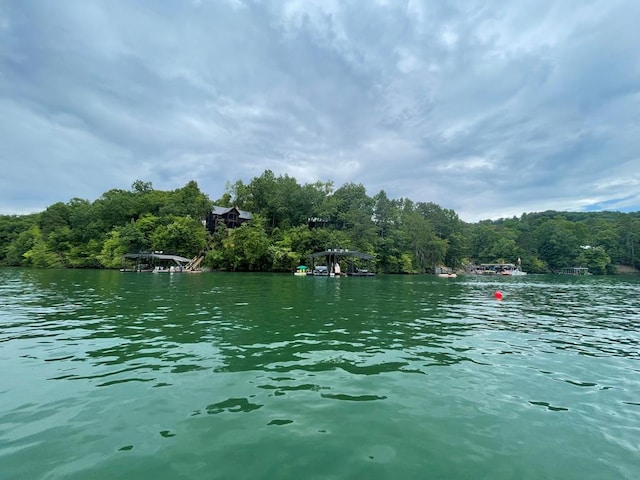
(490, 108)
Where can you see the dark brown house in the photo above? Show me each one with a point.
(232, 217)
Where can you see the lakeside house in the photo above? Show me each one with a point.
(231, 217)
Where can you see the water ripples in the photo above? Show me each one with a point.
(303, 355)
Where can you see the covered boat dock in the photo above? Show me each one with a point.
(333, 256)
(154, 262)
(575, 271)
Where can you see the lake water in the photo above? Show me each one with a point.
(107, 375)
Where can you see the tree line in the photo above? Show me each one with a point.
(292, 220)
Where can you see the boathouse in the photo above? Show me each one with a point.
(574, 271)
(231, 217)
(155, 262)
(357, 263)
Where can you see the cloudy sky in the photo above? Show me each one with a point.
(487, 107)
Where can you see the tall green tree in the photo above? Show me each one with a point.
(113, 249)
(492, 244)
(446, 226)
(187, 201)
(245, 248)
(54, 217)
(11, 227)
(559, 241)
(426, 249)
(352, 211)
(184, 236)
(385, 213)
(40, 255)
(595, 259)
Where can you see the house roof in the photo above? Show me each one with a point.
(217, 210)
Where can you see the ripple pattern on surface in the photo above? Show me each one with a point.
(408, 373)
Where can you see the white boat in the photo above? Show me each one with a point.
(447, 275)
(320, 271)
(514, 272)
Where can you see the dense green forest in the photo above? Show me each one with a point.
(292, 220)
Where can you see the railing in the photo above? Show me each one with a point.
(194, 263)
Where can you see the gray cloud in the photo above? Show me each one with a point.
(491, 109)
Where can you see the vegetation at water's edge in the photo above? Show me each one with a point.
(403, 235)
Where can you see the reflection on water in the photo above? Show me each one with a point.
(386, 376)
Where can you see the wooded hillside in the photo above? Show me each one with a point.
(293, 220)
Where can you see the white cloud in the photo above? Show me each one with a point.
(491, 109)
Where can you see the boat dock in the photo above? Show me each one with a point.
(333, 256)
(574, 271)
(159, 262)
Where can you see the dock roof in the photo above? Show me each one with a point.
(156, 256)
(341, 252)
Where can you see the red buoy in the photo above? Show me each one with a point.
(498, 295)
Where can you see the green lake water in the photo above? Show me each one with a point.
(109, 375)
